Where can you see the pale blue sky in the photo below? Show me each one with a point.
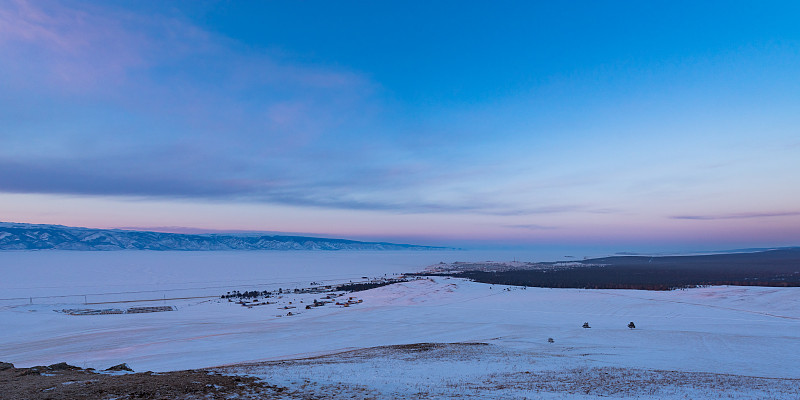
(614, 123)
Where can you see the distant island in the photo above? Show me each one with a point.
(20, 236)
(774, 268)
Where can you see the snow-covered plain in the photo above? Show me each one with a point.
(481, 371)
(752, 331)
(124, 275)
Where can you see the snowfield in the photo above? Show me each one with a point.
(480, 371)
(744, 340)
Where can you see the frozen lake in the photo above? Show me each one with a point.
(122, 275)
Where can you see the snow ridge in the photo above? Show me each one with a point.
(18, 236)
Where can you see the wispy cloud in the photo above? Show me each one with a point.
(103, 101)
(154, 106)
(78, 49)
(127, 176)
(750, 215)
(532, 227)
(151, 105)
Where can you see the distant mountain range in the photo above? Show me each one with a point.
(18, 236)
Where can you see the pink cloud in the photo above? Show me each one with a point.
(70, 48)
(166, 68)
(88, 47)
(22, 21)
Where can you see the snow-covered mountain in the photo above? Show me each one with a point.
(18, 236)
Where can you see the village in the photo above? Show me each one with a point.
(112, 311)
(291, 302)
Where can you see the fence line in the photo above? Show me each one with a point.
(85, 296)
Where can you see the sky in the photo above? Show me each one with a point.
(664, 125)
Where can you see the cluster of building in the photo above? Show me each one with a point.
(109, 311)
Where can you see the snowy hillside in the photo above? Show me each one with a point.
(718, 342)
(435, 337)
(14, 236)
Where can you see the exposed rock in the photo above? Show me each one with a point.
(42, 383)
(29, 371)
(4, 366)
(62, 366)
(120, 367)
